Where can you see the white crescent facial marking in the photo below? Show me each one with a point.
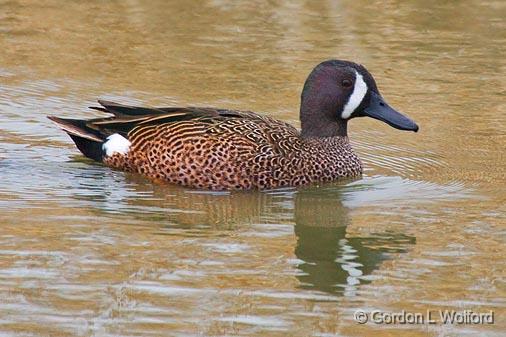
(358, 94)
(116, 143)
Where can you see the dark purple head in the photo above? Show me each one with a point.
(337, 91)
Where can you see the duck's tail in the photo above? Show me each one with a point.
(88, 141)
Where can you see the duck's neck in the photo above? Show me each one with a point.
(315, 123)
(319, 110)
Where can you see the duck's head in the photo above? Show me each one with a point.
(337, 91)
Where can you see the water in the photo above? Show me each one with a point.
(88, 251)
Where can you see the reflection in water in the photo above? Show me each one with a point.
(333, 261)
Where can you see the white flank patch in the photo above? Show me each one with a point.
(358, 94)
(116, 143)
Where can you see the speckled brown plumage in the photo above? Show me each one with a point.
(220, 149)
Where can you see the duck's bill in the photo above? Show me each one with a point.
(380, 110)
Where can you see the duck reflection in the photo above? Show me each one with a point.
(333, 260)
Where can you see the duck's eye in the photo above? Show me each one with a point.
(346, 83)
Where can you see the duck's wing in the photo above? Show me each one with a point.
(133, 120)
(127, 117)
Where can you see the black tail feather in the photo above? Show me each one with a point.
(87, 140)
(89, 148)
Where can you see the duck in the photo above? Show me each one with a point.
(222, 149)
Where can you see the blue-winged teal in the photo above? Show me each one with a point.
(223, 149)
